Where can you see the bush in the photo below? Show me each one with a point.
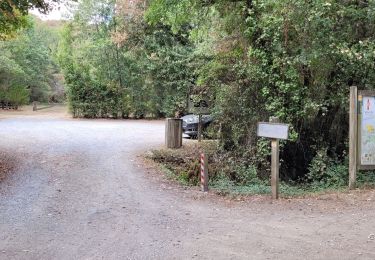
(16, 95)
(239, 177)
(326, 172)
(238, 172)
(366, 178)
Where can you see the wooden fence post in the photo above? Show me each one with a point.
(353, 136)
(173, 133)
(275, 163)
(200, 127)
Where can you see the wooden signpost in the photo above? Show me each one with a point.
(200, 106)
(275, 131)
(361, 132)
(200, 126)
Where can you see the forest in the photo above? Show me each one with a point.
(252, 59)
(28, 69)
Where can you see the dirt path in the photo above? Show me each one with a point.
(80, 193)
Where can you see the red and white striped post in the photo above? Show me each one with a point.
(204, 173)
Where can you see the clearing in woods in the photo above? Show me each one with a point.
(79, 191)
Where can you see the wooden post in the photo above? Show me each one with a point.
(275, 163)
(204, 172)
(199, 127)
(35, 108)
(173, 133)
(353, 136)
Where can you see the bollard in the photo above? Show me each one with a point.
(173, 133)
(35, 108)
(204, 172)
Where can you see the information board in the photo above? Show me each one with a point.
(367, 130)
(361, 132)
(273, 130)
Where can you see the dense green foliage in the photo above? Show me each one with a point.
(291, 59)
(13, 14)
(26, 65)
(254, 59)
(230, 177)
(147, 75)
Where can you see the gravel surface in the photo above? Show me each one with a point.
(80, 191)
(7, 164)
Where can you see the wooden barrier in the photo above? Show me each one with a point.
(7, 105)
(173, 133)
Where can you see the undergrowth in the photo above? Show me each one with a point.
(228, 176)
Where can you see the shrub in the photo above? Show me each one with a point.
(326, 172)
(17, 95)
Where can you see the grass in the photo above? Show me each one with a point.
(285, 189)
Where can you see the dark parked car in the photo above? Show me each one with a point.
(190, 124)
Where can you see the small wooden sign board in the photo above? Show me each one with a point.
(273, 130)
(199, 107)
(199, 110)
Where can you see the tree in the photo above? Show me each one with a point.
(137, 68)
(254, 59)
(13, 13)
(291, 59)
(26, 62)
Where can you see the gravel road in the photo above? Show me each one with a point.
(81, 192)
